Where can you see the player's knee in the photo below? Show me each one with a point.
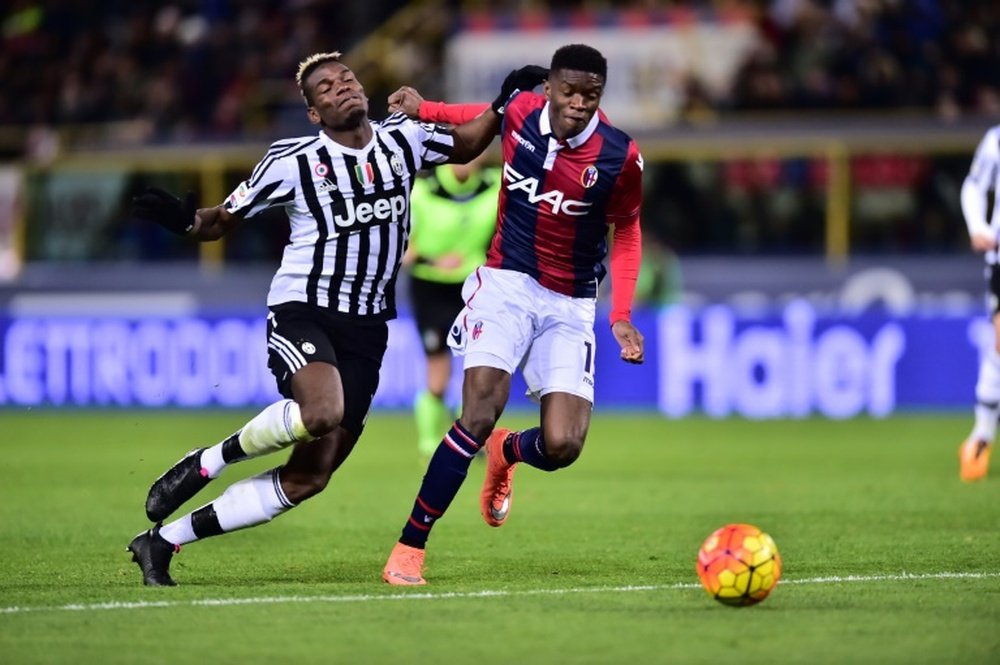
(563, 450)
(322, 419)
(301, 486)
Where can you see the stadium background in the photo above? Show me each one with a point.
(805, 250)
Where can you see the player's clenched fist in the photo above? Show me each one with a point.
(631, 341)
(405, 100)
(525, 78)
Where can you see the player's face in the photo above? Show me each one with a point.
(573, 100)
(338, 99)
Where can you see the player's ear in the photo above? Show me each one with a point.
(313, 115)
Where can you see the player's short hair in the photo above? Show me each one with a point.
(580, 58)
(308, 66)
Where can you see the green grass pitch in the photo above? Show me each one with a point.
(888, 558)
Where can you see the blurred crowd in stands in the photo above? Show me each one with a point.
(222, 69)
(875, 54)
(192, 69)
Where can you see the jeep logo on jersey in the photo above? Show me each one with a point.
(368, 210)
(555, 198)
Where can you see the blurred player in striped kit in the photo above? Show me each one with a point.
(346, 192)
(984, 175)
(453, 215)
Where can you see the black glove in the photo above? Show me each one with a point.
(162, 207)
(524, 78)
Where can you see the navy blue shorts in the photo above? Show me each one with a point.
(435, 306)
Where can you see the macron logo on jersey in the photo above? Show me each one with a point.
(523, 141)
(554, 198)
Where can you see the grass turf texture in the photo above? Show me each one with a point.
(596, 564)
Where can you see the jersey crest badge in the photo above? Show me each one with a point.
(396, 164)
(588, 177)
(477, 330)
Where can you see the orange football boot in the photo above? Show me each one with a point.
(975, 458)
(405, 566)
(497, 494)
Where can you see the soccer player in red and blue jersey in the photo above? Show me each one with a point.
(568, 175)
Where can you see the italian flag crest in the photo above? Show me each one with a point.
(365, 173)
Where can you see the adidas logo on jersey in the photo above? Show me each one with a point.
(326, 186)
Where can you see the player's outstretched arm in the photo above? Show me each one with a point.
(182, 217)
(213, 223)
(407, 100)
(410, 102)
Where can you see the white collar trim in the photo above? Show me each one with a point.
(545, 127)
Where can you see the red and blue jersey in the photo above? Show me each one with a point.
(558, 197)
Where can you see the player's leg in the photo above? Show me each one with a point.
(559, 370)
(974, 453)
(258, 499)
(558, 441)
(430, 409)
(492, 336)
(484, 394)
(298, 351)
(261, 498)
(555, 444)
(359, 350)
(320, 389)
(435, 305)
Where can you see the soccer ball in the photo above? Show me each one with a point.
(739, 565)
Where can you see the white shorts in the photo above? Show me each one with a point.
(510, 321)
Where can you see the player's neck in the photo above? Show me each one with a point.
(354, 138)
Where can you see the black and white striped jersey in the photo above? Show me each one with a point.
(984, 175)
(349, 213)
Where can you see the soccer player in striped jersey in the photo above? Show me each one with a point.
(346, 193)
(984, 175)
(568, 176)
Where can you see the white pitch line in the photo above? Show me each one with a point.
(364, 598)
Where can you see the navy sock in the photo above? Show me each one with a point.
(528, 447)
(445, 474)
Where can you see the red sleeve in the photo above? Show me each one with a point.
(626, 195)
(454, 114)
(626, 255)
(626, 252)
